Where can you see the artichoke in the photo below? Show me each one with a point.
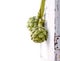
(32, 23)
(36, 25)
(39, 34)
(38, 31)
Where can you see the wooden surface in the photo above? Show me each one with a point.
(57, 30)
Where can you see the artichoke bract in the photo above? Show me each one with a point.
(36, 25)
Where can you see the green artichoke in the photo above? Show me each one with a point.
(39, 34)
(36, 25)
(32, 23)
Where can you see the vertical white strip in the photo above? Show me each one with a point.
(50, 15)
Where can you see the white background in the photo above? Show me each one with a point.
(15, 42)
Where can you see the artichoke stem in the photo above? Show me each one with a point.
(41, 11)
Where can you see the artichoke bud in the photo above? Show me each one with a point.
(36, 25)
(39, 35)
(32, 23)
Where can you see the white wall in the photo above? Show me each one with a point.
(50, 16)
(15, 42)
